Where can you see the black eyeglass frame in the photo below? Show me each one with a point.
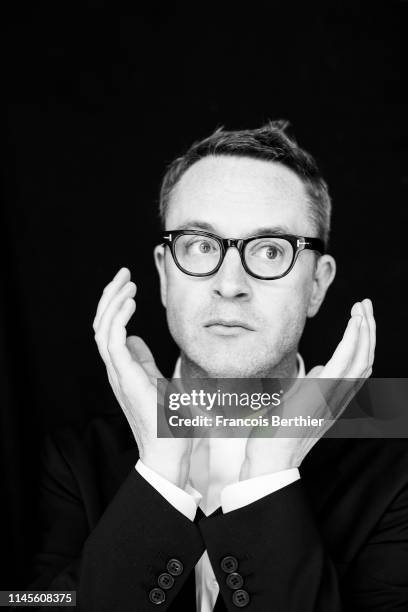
(299, 243)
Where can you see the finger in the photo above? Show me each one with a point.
(360, 362)
(366, 310)
(343, 355)
(102, 330)
(122, 276)
(114, 383)
(357, 309)
(358, 365)
(118, 351)
(109, 291)
(116, 301)
(372, 327)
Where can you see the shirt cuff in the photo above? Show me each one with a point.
(185, 501)
(245, 492)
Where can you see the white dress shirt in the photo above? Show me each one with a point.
(213, 482)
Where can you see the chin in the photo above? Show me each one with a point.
(229, 357)
(226, 371)
(232, 365)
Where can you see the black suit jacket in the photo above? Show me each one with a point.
(337, 539)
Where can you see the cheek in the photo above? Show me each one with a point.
(184, 303)
(284, 309)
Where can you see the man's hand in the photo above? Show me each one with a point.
(133, 373)
(352, 359)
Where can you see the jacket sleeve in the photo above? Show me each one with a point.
(116, 564)
(270, 555)
(378, 579)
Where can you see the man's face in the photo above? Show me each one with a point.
(236, 197)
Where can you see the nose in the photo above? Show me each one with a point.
(231, 280)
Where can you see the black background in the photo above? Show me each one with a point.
(100, 97)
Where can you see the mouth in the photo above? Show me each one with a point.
(228, 326)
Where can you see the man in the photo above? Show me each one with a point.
(135, 521)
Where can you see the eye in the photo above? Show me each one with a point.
(271, 252)
(204, 247)
(200, 246)
(266, 250)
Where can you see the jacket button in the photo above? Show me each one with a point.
(175, 567)
(240, 598)
(157, 596)
(234, 580)
(165, 581)
(229, 564)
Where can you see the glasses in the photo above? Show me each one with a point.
(267, 257)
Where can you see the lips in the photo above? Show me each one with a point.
(229, 323)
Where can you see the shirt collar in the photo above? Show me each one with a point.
(300, 363)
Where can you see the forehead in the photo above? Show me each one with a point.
(237, 195)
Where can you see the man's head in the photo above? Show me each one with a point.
(236, 185)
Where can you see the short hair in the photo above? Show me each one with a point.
(270, 142)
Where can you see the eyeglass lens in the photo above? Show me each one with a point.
(263, 256)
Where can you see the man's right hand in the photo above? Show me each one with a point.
(133, 373)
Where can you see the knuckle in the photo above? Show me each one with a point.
(98, 337)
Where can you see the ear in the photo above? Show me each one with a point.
(324, 273)
(160, 261)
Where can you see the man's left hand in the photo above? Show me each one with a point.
(352, 359)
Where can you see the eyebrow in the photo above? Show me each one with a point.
(208, 227)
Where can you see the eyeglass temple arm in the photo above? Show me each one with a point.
(315, 244)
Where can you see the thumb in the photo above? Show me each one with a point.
(142, 354)
(315, 372)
